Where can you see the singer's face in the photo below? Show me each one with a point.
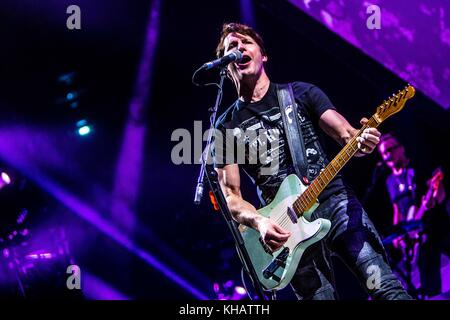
(252, 62)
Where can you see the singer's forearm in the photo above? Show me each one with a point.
(242, 211)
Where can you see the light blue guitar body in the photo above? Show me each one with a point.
(276, 274)
(275, 270)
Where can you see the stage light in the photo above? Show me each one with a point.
(216, 287)
(44, 255)
(73, 96)
(228, 284)
(67, 78)
(70, 96)
(22, 216)
(83, 128)
(6, 179)
(240, 290)
(229, 291)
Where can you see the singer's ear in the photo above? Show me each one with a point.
(265, 58)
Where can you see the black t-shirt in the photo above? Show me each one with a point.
(257, 128)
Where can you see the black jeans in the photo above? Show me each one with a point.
(354, 239)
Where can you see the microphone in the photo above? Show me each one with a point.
(222, 62)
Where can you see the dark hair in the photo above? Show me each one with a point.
(228, 28)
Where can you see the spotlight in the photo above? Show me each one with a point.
(83, 128)
(5, 179)
(229, 291)
(67, 78)
(240, 290)
(71, 95)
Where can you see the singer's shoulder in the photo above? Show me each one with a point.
(225, 117)
(301, 87)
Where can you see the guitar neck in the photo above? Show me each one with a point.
(307, 199)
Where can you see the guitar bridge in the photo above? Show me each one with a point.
(279, 261)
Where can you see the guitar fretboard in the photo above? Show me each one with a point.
(307, 199)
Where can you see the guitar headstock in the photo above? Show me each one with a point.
(394, 103)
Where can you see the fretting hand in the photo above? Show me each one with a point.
(368, 140)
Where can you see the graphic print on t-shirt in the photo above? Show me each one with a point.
(258, 129)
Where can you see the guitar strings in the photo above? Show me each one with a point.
(284, 220)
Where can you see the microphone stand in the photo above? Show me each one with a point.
(207, 170)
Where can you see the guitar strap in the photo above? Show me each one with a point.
(292, 128)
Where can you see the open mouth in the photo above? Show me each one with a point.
(245, 61)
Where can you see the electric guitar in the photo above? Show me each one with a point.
(434, 182)
(294, 203)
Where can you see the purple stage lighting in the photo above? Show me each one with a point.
(247, 12)
(96, 288)
(240, 290)
(129, 163)
(95, 218)
(390, 32)
(43, 255)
